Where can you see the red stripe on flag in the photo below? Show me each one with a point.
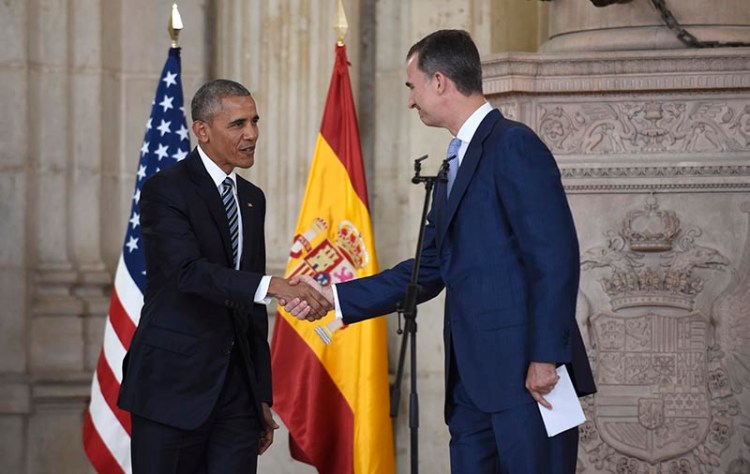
(339, 126)
(98, 453)
(121, 322)
(110, 389)
(311, 405)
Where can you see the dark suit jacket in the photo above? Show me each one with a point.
(197, 309)
(505, 248)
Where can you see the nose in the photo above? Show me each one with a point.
(251, 132)
(410, 102)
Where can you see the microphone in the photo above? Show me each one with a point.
(417, 169)
(443, 173)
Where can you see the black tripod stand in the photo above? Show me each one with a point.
(408, 308)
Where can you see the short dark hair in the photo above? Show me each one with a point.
(207, 100)
(453, 53)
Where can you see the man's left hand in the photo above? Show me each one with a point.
(266, 437)
(541, 378)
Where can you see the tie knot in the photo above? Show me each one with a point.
(228, 184)
(453, 147)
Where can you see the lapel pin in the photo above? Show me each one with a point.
(249, 204)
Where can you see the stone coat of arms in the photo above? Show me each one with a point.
(667, 374)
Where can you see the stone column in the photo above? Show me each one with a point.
(15, 169)
(576, 25)
(56, 335)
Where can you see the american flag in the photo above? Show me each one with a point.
(106, 428)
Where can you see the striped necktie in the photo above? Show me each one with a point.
(230, 205)
(452, 164)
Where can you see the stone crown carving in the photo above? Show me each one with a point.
(651, 229)
(652, 261)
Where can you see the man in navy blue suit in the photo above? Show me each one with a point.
(197, 376)
(501, 241)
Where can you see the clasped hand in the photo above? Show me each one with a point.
(302, 297)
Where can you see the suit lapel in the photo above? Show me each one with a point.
(249, 221)
(467, 169)
(210, 195)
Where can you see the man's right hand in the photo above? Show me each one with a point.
(307, 300)
(296, 308)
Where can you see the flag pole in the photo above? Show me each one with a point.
(175, 25)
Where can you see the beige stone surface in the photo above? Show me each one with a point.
(576, 25)
(12, 447)
(53, 442)
(13, 321)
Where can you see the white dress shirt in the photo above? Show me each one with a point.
(218, 176)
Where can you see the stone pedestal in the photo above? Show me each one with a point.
(576, 25)
(653, 148)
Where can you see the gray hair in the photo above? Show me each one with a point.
(207, 100)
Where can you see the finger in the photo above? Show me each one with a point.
(313, 296)
(296, 311)
(304, 314)
(294, 281)
(539, 398)
(282, 302)
(264, 444)
(291, 305)
(320, 313)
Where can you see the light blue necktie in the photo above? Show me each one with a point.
(227, 196)
(452, 164)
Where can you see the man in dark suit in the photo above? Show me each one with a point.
(197, 377)
(502, 242)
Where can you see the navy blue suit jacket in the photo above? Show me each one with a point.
(504, 247)
(197, 309)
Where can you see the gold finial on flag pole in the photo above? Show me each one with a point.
(175, 25)
(340, 25)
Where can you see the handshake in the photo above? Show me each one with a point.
(302, 297)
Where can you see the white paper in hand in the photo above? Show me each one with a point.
(566, 410)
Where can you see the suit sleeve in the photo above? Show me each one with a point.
(172, 248)
(529, 186)
(379, 294)
(259, 331)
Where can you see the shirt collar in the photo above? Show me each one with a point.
(469, 128)
(217, 174)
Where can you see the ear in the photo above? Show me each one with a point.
(440, 82)
(200, 129)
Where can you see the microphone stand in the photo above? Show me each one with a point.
(408, 308)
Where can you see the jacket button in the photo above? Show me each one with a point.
(228, 350)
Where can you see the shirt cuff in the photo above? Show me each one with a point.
(261, 293)
(336, 305)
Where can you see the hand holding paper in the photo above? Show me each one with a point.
(566, 409)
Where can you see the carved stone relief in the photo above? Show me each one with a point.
(668, 375)
(645, 127)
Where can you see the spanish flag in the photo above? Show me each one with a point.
(334, 398)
